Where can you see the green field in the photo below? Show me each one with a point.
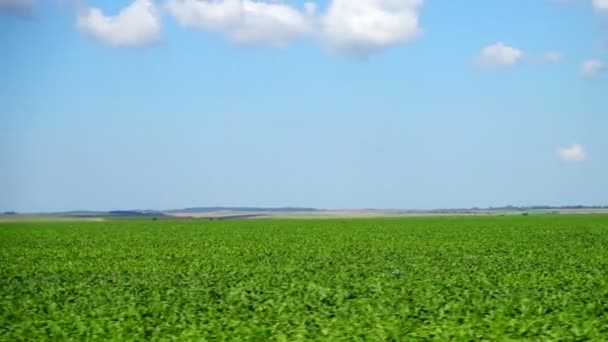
(461, 278)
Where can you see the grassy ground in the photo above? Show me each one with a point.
(463, 278)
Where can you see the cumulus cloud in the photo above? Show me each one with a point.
(573, 153)
(352, 27)
(364, 26)
(592, 68)
(136, 25)
(600, 5)
(499, 55)
(246, 21)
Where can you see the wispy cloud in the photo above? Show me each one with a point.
(553, 57)
(573, 153)
(592, 67)
(600, 5)
(501, 55)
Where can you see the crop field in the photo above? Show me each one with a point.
(397, 279)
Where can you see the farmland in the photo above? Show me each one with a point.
(465, 278)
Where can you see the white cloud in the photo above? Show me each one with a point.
(245, 21)
(499, 55)
(553, 57)
(600, 5)
(353, 27)
(573, 153)
(136, 25)
(363, 26)
(592, 68)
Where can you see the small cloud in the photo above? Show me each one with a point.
(592, 68)
(573, 153)
(499, 55)
(553, 57)
(136, 25)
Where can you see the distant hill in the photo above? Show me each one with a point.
(250, 212)
(76, 213)
(132, 213)
(201, 210)
(112, 213)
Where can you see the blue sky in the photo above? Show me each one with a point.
(340, 104)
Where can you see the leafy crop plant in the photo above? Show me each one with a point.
(388, 279)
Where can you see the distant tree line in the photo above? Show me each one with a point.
(548, 207)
